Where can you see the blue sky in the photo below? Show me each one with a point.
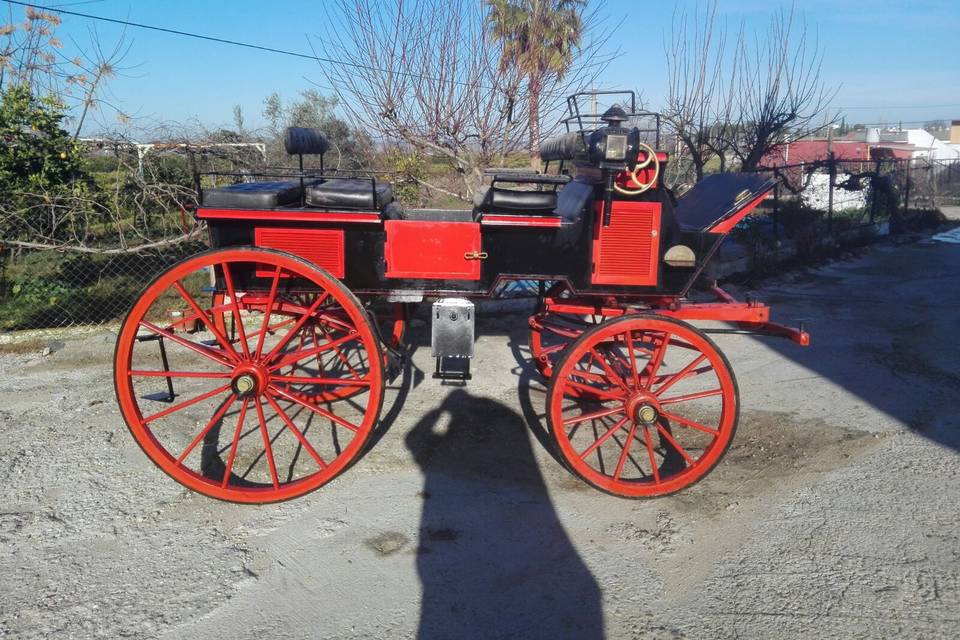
(892, 59)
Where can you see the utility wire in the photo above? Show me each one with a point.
(356, 65)
(237, 43)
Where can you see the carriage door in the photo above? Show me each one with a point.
(627, 251)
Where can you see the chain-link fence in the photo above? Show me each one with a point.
(95, 280)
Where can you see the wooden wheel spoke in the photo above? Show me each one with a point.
(625, 452)
(689, 423)
(297, 433)
(338, 382)
(653, 460)
(302, 355)
(657, 360)
(238, 321)
(632, 356)
(185, 404)
(692, 396)
(296, 328)
(233, 445)
(266, 444)
(680, 375)
(208, 352)
(611, 374)
(178, 374)
(601, 393)
(676, 445)
(593, 416)
(342, 358)
(268, 310)
(292, 397)
(606, 436)
(200, 436)
(206, 321)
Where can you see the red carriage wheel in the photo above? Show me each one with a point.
(269, 413)
(642, 406)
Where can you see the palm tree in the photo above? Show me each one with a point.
(540, 38)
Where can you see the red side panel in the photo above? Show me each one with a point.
(322, 247)
(432, 250)
(627, 251)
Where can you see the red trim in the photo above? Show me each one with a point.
(725, 225)
(748, 315)
(282, 215)
(498, 220)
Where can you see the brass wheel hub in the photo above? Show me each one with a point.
(643, 408)
(248, 381)
(647, 413)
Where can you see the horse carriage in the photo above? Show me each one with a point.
(255, 371)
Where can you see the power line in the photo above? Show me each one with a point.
(237, 43)
(907, 106)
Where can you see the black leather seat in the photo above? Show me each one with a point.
(539, 201)
(496, 200)
(253, 195)
(350, 193)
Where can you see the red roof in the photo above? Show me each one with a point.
(803, 151)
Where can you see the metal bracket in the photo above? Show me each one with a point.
(170, 395)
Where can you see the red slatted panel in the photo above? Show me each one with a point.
(322, 247)
(628, 250)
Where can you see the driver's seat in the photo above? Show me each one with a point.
(541, 201)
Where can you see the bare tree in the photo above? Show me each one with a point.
(737, 98)
(423, 75)
(779, 91)
(695, 55)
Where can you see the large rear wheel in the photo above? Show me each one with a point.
(273, 409)
(642, 406)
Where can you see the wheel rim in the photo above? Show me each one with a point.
(267, 405)
(649, 424)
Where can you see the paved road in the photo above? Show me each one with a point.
(834, 515)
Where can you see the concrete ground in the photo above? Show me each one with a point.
(834, 514)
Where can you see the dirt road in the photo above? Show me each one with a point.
(834, 515)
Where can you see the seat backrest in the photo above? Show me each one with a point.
(302, 141)
(562, 147)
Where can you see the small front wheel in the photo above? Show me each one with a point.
(642, 406)
(271, 409)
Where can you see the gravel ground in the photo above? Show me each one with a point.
(834, 514)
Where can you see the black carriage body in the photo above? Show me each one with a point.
(615, 230)
(374, 255)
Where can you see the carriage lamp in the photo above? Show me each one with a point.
(616, 147)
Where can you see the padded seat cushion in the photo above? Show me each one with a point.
(496, 200)
(349, 193)
(253, 195)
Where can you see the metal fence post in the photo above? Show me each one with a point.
(906, 198)
(873, 188)
(833, 181)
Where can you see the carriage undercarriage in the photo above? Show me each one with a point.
(255, 372)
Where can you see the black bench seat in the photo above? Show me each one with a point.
(350, 193)
(253, 195)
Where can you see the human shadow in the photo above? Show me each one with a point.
(493, 558)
